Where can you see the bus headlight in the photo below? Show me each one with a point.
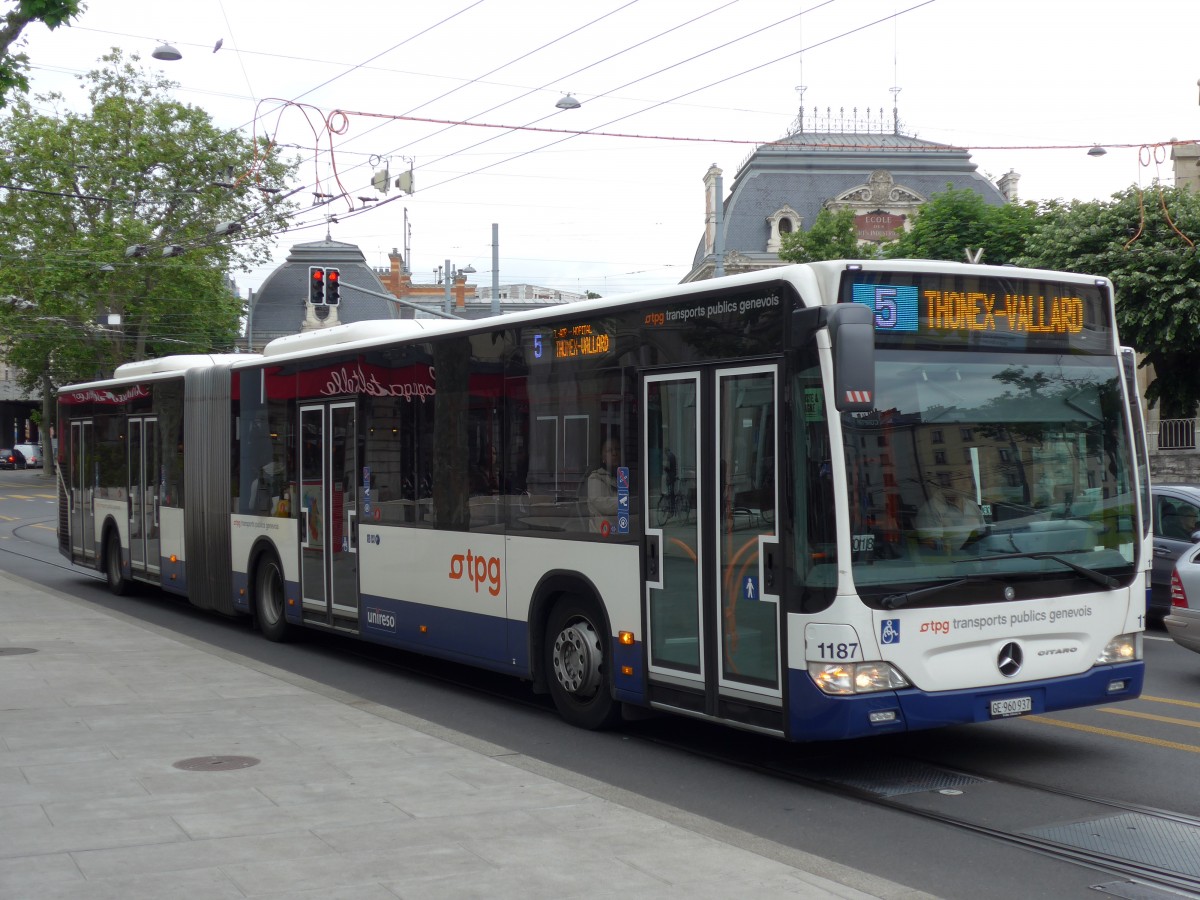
(1122, 648)
(856, 678)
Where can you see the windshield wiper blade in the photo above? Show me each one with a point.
(1091, 574)
(903, 598)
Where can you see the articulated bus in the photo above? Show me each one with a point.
(817, 502)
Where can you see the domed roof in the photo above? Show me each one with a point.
(805, 170)
(280, 304)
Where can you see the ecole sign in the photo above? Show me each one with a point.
(878, 226)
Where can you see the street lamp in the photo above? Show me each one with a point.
(166, 52)
(566, 101)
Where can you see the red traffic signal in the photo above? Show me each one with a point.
(333, 287)
(316, 285)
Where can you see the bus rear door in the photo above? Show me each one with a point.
(712, 611)
(80, 465)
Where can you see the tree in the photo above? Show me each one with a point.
(137, 170)
(952, 222)
(1144, 241)
(13, 65)
(832, 236)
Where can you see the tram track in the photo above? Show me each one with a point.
(902, 793)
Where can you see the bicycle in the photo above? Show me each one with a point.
(673, 503)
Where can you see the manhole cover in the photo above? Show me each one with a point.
(16, 651)
(216, 763)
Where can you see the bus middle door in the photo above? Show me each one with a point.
(328, 513)
(712, 610)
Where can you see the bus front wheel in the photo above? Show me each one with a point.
(577, 663)
(270, 599)
(117, 582)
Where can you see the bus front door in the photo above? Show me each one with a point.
(328, 510)
(80, 466)
(144, 478)
(712, 612)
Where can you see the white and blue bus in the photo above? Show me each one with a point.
(820, 501)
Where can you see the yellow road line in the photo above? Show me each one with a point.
(1190, 723)
(7, 519)
(1122, 735)
(1190, 704)
(47, 527)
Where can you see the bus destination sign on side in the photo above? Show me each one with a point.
(570, 341)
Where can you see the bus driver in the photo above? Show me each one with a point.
(947, 520)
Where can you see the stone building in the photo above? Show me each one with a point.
(831, 163)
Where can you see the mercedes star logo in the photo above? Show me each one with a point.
(1009, 660)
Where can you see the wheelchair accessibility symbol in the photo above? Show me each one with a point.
(889, 631)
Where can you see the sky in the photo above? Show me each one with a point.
(667, 88)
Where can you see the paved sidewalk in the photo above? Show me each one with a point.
(346, 799)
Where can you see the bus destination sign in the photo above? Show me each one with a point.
(570, 341)
(962, 311)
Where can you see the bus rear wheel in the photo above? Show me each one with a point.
(117, 582)
(270, 599)
(577, 663)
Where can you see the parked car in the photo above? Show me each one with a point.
(33, 455)
(1175, 511)
(1183, 621)
(11, 458)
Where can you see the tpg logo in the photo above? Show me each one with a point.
(478, 569)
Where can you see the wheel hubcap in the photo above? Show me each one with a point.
(577, 659)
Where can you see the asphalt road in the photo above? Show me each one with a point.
(1145, 751)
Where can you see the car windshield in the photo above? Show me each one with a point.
(986, 464)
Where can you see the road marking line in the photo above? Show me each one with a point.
(1190, 704)
(1190, 723)
(47, 527)
(7, 519)
(1123, 735)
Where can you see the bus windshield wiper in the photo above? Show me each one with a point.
(1091, 574)
(903, 598)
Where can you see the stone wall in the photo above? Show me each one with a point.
(1175, 465)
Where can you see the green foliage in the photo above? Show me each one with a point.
(1143, 240)
(958, 220)
(14, 65)
(138, 168)
(832, 236)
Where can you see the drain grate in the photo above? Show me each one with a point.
(889, 778)
(1129, 890)
(216, 763)
(1161, 843)
(16, 651)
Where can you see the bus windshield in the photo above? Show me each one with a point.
(983, 472)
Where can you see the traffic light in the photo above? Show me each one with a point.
(316, 285)
(333, 287)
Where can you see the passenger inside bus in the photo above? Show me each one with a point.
(602, 486)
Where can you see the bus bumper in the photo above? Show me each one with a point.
(819, 717)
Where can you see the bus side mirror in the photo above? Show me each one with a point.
(852, 335)
(852, 332)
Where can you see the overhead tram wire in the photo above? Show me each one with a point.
(608, 58)
(653, 106)
(479, 78)
(650, 75)
(577, 71)
(571, 74)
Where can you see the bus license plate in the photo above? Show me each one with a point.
(1014, 706)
